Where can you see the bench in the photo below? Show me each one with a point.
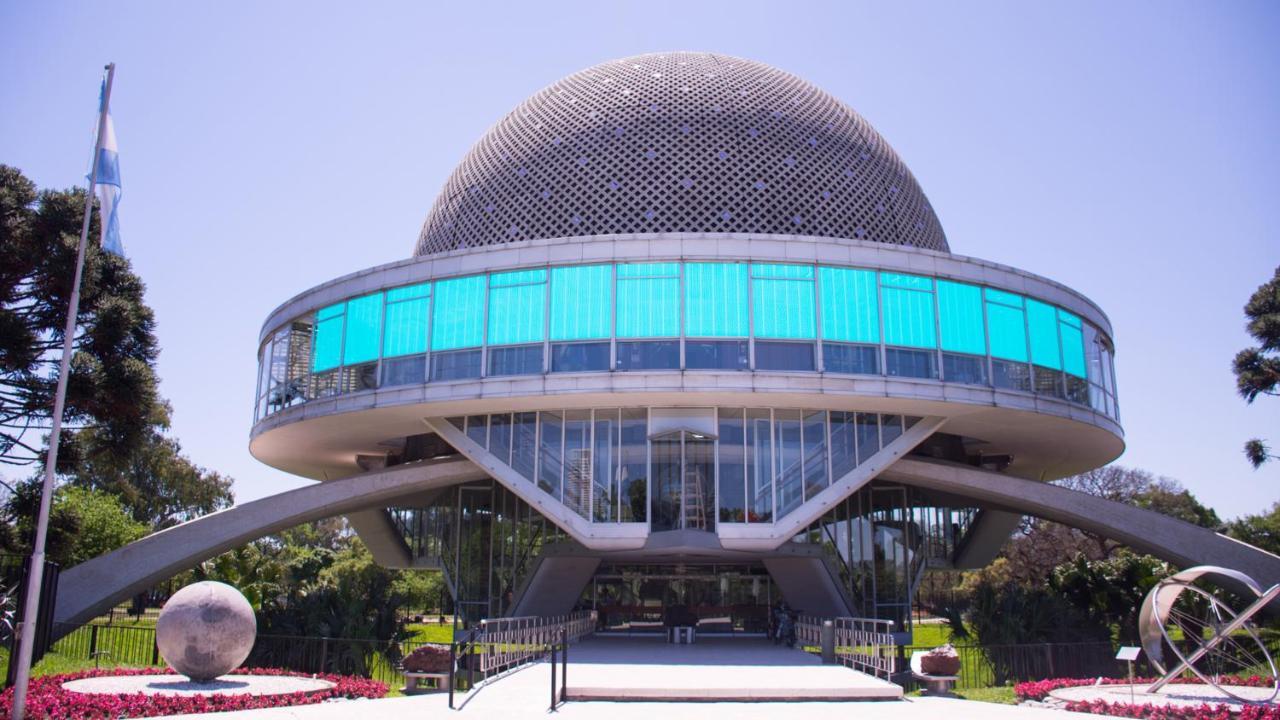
(940, 685)
(418, 683)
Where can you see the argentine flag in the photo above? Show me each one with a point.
(108, 185)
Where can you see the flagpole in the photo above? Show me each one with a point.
(35, 574)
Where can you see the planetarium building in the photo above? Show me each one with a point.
(681, 332)
(700, 339)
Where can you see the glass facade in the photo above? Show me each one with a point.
(703, 316)
(604, 465)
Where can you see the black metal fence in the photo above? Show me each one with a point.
(112, 645)
(994, 665)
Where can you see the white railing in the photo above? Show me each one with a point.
(504, 643)
(864, 644)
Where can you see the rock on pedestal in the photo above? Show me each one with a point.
(205, 630)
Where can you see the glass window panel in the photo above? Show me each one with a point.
(524, 443)
(782, 301)
(1072, 344)
(579, 357)
(648, 300)
(500, 437)
(716, 355)
(457, 320)
(1006, 325)
(581, 302)
(784, 356)
(1048, 382)
(960, 318)
(577, 461)
(665, 464)
(457, 365)
(478, 430)
(519, 360)
(607, 461)
(409, 292)
(900, 362)
(359, 377)
(328, 343)
(1077, 390)
(732, 466)
(844, 448)
(759, 467)
(635, 465)
(264, 380)
(411, 370)
(715, 299)
(868, 425)
(851, 359)
(661, 355)
(550, 458)
(364, 326)
(815, 453)
(1042, 323)
(890, 429)
(1011, 376)
(968, 369)
(788, 454)
(906, 282)
(850, 312)
(331, 312)
(907, 304)
(405, 325)
(517, 307)
(324, 384)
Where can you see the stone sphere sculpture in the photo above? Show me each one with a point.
(205, 630)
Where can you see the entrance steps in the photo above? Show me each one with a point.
(712, 670)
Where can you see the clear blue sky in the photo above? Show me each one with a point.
(1129, 150)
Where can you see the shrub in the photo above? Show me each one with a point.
(47, 699)
(427, 659)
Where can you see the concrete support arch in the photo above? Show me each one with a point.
(1169, 539)
(90, 588)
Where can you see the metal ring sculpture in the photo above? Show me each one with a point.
(1204, 635)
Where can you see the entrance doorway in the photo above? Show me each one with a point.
(718, 599)
(684, 470)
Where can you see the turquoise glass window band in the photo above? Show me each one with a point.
(405, 330)
(364, 325)
(581, 302)
(457, 319)
(907, 305)
(517, 307)
(328, 343)
(960, 318)
(715, 299)
(648, 300)
(1042, 326)
(1006, 325)
(782, 301)
(850, 312)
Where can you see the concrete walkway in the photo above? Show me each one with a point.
(526, 692)
(735, 669)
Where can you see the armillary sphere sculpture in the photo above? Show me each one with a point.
(1204, 635)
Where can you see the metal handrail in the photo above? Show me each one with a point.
(865, 644)
(501, 644)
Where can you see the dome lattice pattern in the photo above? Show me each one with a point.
(680, 142)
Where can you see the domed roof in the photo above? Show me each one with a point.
(680, 142)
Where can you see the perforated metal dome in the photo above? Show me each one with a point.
(680, 142)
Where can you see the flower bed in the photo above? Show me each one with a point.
(1040, 689)
(47, 699)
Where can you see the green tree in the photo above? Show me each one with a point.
(1257, 369)
(159, 485)
(83, 523)
(1109, 592)
(1261, 530)
(112, 387)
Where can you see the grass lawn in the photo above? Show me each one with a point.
(430, 633)
(930, 635)
(1000, 695)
